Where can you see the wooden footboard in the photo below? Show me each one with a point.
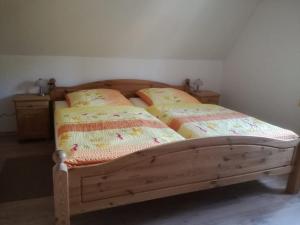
(173, 169)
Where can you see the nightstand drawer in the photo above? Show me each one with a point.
(32, 104)
(33, 124)
(33, 116)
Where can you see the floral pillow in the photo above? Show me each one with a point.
(159, 96)
(96, 97)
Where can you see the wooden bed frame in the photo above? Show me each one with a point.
(169, 169)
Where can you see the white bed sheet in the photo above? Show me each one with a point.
(138, 102)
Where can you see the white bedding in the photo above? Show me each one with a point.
(138, 102)
(60, 104)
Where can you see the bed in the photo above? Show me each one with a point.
(167, 169)
(209, 120)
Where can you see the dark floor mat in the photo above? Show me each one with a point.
(25, 178)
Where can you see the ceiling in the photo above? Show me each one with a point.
(180, 29)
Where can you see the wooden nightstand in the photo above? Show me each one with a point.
(33, 117)
(206, 97)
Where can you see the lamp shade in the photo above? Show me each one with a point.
(197, 84)
(43, 85)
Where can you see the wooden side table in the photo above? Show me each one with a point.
(33, 116)
(206, 97)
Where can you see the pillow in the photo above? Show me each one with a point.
(158, 96)
(96, 97)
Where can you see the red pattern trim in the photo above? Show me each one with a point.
(105, 125)
(178, 121)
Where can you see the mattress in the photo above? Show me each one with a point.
(205, 120)
(91, 135)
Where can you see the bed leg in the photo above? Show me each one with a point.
(293, 185)
(61, 189)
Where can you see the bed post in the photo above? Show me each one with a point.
(61, 189)
(293, 185)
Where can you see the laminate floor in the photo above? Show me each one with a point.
(25, 169)
(254, 203)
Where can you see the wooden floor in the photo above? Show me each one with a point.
(25, 169)
(253, 203)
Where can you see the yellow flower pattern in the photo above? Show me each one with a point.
(205, 120)
(98, 134)
(158, 96)
(96, 97)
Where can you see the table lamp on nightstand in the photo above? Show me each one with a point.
(204, 96)
(196, 85)
(43, 86)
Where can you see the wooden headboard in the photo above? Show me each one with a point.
(127, 87)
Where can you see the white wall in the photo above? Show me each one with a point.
(262, 72)
(181, 29)
(18, 72)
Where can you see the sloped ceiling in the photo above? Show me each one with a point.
(182, 29)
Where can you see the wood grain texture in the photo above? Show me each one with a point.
(183, 167)
(293, 185)
(33, 116)
(30, 97)
(133, 197)
(176, 168)
(127, 87)
(172, 168)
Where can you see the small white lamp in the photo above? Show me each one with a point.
(196, 85)
(42, 84)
